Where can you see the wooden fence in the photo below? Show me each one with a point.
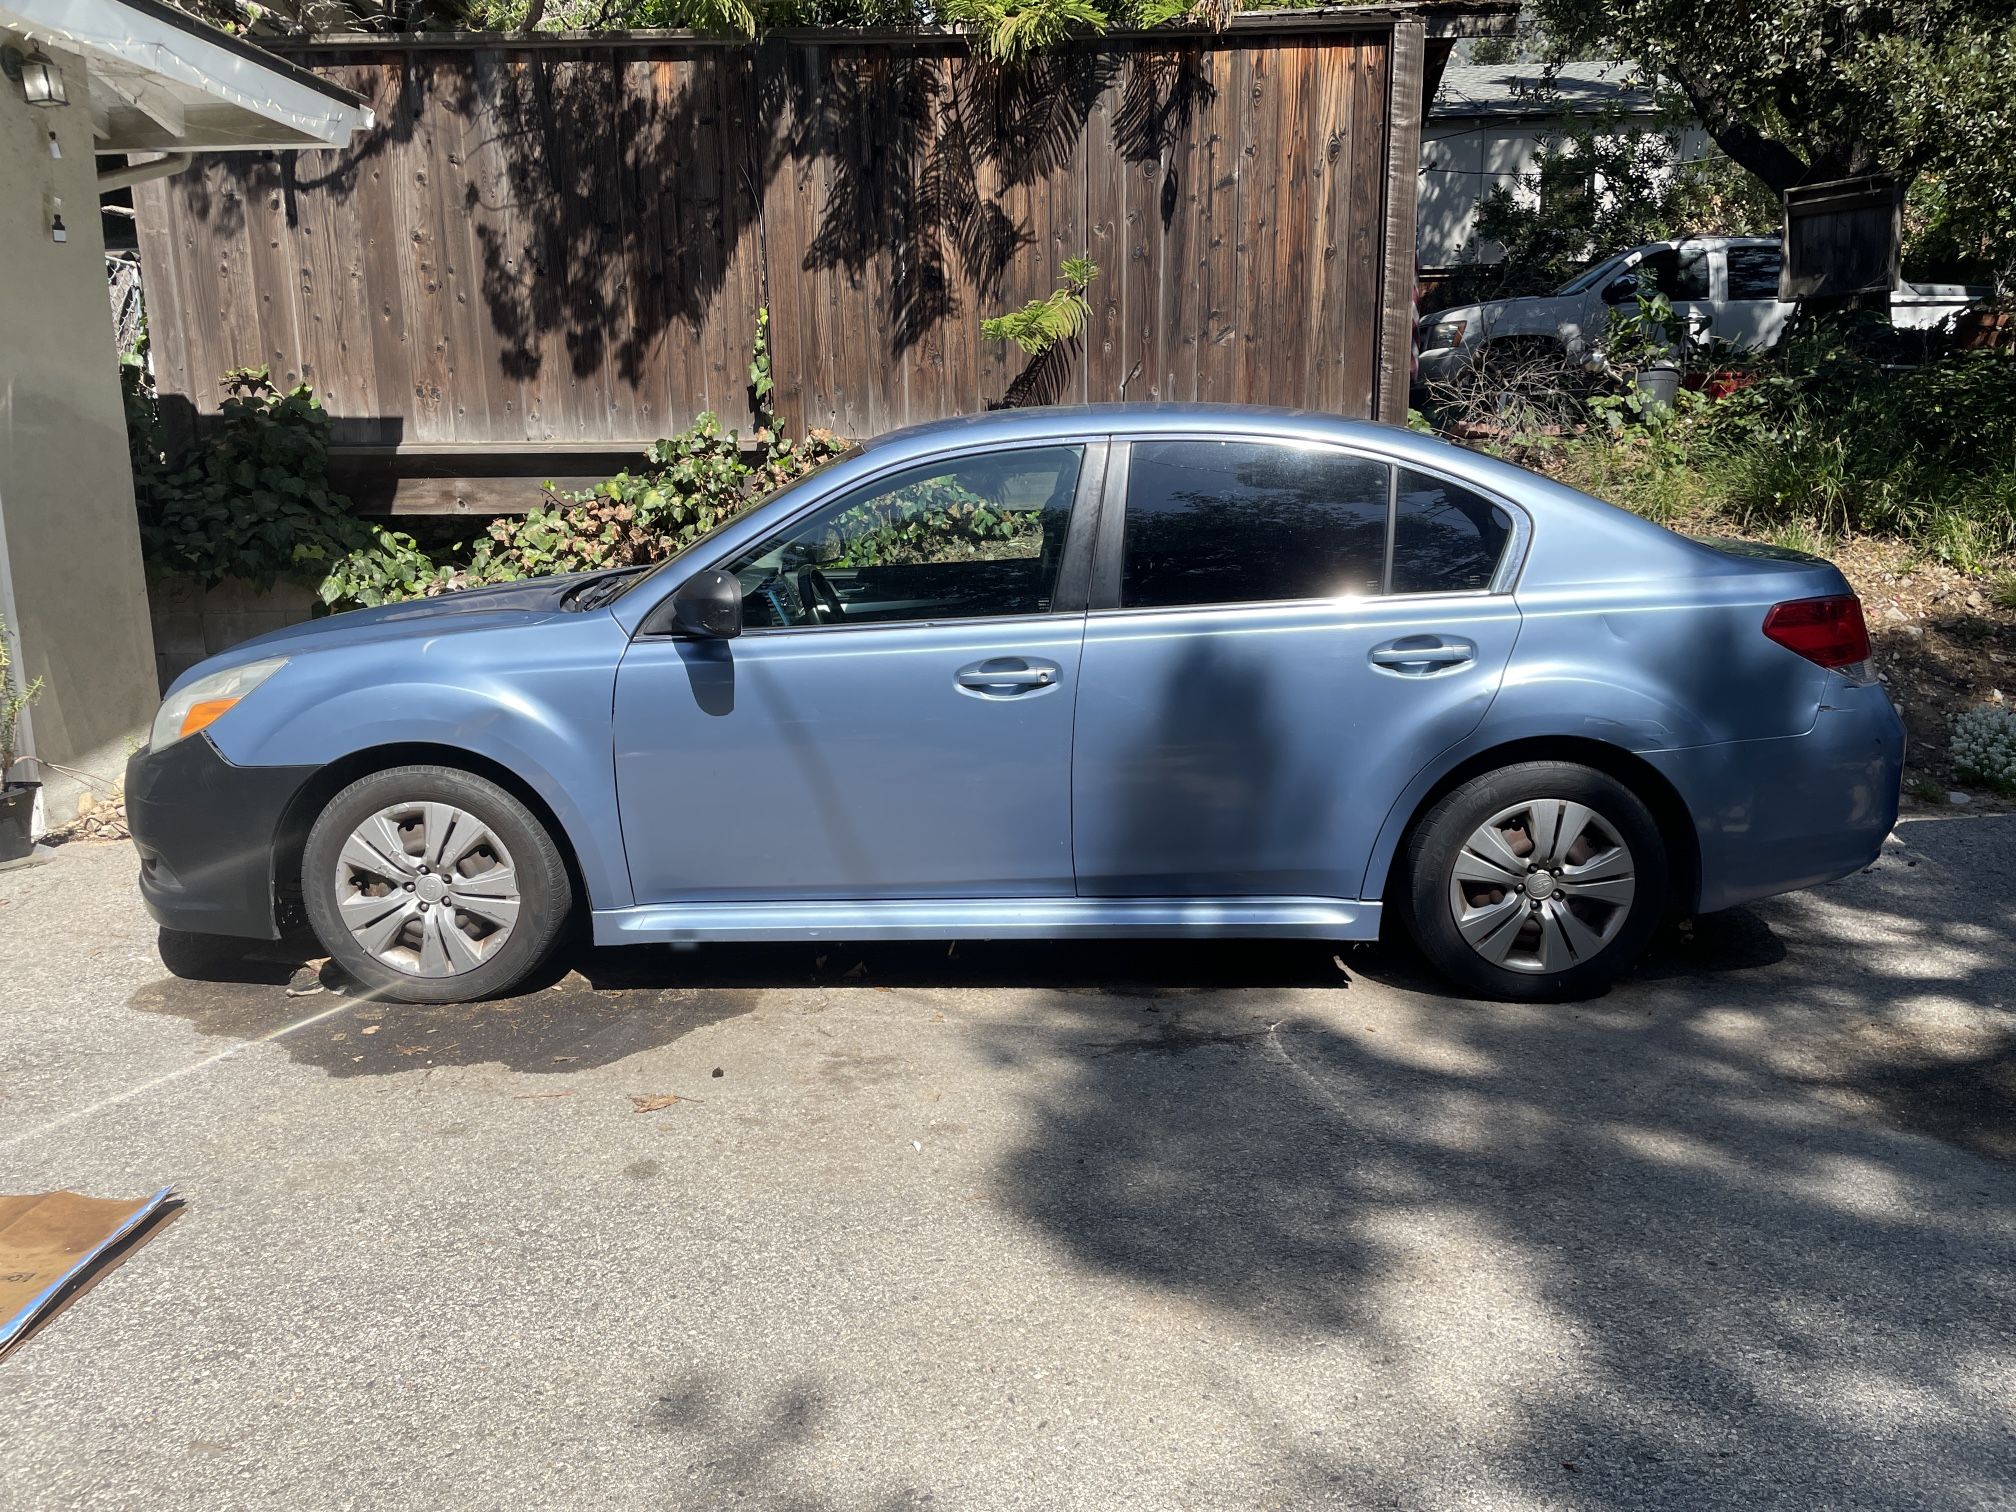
(549, 253)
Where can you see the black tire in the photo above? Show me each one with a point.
(1428, 876)
(545, 894)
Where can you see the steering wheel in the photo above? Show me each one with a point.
(820, 596)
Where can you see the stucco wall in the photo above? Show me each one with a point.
(75, 597)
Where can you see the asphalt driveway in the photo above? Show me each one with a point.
(1158, 1226)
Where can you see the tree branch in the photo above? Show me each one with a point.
(1770, 159)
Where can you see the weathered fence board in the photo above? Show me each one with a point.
(569, 245)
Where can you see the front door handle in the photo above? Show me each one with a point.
(1422, 655)
(1007, 676)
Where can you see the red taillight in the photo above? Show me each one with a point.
(1829, 631)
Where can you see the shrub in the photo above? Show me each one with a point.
(697, 479)
(1830, 438)
(1984, 746)
(254, 502)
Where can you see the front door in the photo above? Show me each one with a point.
(895, 719)
(1253, 699)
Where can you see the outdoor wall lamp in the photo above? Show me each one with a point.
(41, 81)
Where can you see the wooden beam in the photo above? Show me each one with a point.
(383, 493)
(145, 96)
(1404, 111)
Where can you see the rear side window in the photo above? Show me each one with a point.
(1240, 522)
(1446, 539)
(1753, 272)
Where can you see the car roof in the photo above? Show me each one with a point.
(1038, 421)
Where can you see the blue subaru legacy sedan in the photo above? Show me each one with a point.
(1104, 671)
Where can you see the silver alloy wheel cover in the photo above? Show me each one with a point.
(427, 889)
(1552, 913)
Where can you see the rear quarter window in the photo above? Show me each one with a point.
(1446, 539)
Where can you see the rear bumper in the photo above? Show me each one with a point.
(1773, 816)
(205, 831)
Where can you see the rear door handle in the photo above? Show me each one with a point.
(1007, 676)
(1422, 655)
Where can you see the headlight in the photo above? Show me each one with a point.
(207, 700)
(1444, 333)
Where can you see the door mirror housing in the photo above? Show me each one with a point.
(1621, 290)
(707, 606)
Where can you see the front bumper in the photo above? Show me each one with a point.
(1773, 816)
(205, 830)
(1440, 364)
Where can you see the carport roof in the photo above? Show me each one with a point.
(161, 81)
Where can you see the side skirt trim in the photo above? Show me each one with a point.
(991, 919)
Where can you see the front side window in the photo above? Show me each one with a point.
(1679, 272)
(959, 538)
(1446, 539)
(1240, 522)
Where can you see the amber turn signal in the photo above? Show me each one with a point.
(206, 712)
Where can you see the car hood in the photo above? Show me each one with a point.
(1524, 312)
(468, 609)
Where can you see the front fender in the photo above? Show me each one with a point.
(539, 706)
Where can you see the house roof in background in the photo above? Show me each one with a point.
(1522, 89)
(161, 81)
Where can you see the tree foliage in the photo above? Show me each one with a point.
(1803, 91)
(1042, 323)
(1010, 30)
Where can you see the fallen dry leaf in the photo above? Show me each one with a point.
(651, 1104)
(370, 1029)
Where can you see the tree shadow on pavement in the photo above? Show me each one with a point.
(1705, 1284)
(592, 1007)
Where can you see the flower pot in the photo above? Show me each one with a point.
(1657, 386)
(17, 819)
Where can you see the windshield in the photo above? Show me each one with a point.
(846, 455)
(1589, 277)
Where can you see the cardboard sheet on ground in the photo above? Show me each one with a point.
(54, 1244)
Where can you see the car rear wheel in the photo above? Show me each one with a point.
(432, 885)
(1535, 882)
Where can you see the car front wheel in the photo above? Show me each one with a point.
(1535, 882)
(432, 885)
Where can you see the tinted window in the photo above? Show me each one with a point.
(1446, 539)
(1231, 522)
(976, 535)
(1753, 272)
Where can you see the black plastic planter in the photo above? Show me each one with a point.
(17, 819)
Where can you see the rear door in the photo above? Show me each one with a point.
(895, 719)
(1750, 315)
(1252, 697)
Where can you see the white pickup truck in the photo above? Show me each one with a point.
(1724, 287)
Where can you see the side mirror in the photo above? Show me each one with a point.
(1621, 290)
(707, 606)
